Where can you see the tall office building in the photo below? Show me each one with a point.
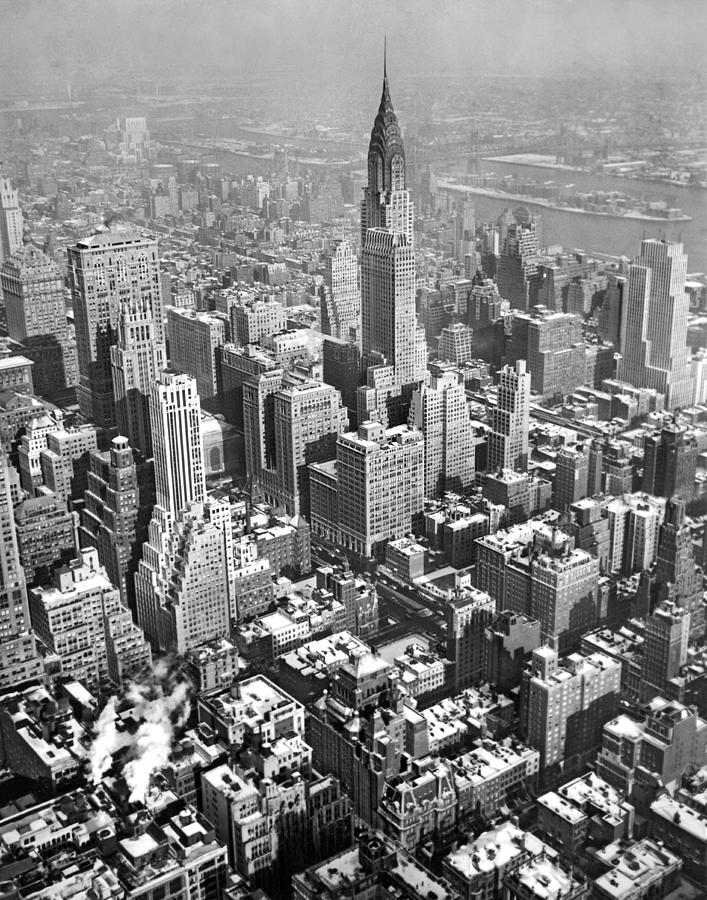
(464, 229)
(290, 421)
(182, 580)
(113, 519)
(46, 536)
(137, 359)
(33, 290)
(379, 485)
(571, 476)
(253, 318)
(439, 410)
(484, 317)
(564, 706)
(105, 270)
(341, 363)
(82, 619)
(654, 323)
(510, 639)
(19, 659)
(508, 440)
(193, 341)
(456, 344)
(194, 591)
(394, 352)
(64, 462)
(468, 616)
(10, 220)
(551, 343)
(308, 418)
(670, 462)
(609, 314)
(564, 595)
(664, 649)
(645, 514)
(341, 300)
(677, 578)
(259, 425)
(517, 270)
(134, 144)
(179, 466)
(235, 366)
(55, 457)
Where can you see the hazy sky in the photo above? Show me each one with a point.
(52, 41)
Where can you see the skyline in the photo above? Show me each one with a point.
(353, 518)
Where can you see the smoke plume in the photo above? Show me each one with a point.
(162, 706)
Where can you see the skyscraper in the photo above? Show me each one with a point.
(508, 440)
(290, 421)
(33, 290)
(517, 272)
(341, 301)
(571, 475)
(10, 220)
(439, 410)
(182, 580)
(670, 462)
(551, 343)
(564, 595)
(654, 323)
(19, 660)
(309, 416)
(137, 360)
(82, 619)
(379, 479)
(456, 343)
(105, 270)
(468, 615)
(677, 578)
(664, 649)
(394, 352)
(193, 341)
(179, 466)
(464, 229)
(113, 519)
(564, 705)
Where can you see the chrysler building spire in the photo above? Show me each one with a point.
(384, 205)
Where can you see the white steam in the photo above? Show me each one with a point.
(161, 706)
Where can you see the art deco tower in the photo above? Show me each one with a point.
(386, 202)
(508, 440)
(181, 584)
(107, 271)
(393, 344)
(654, 323)
(10, 219)
(137, 359)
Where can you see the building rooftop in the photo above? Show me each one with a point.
(561, 807)
(591, 793)
(544, 879)
(634, 866)
(14, 362)
(494, 850)
(684, 817)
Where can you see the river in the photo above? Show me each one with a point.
(604, 234)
